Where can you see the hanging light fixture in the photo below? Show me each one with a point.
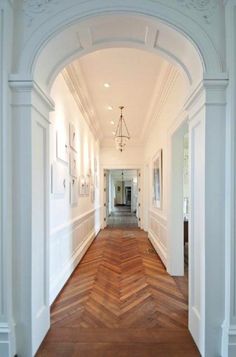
(122, 133)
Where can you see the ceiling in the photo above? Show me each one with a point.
(136, 79)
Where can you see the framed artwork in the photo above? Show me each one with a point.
(96, 180)
(95, 165)
(82, 185)
(73, 192)
(62, 146)
(58, 179)
(73, 164)
(92, 189)
(157, 180)
(87, 184)
(73, 135)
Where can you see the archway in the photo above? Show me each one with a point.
(31, 103)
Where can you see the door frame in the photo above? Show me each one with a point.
(140, 193)
(30, 95)
(175, 248)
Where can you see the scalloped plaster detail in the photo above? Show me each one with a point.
(206, 8)
(32, 8)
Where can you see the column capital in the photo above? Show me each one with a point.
(27, 93)
(29, 86)
(210, 91)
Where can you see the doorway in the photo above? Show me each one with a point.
(33, 64)
(122, 198)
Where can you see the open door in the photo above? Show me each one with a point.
(139, 198)
(105, 197)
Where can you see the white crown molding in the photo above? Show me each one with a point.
(75, 81)
(163, 88)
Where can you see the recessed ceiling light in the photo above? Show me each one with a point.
(112, 122)
(106, 85)
(110, 107)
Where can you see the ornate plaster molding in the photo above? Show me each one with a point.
(32, 8)
(206, 8)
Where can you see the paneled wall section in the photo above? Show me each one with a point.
(158, 234)
(74, 200)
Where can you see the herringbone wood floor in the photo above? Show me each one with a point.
(120, 302)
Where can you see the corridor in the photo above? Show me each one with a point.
(120, 302)
(122, 217)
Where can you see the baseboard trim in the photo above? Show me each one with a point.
(228, 340)
(7, 340)
(232, 341)
(159, 248)
(70, 266)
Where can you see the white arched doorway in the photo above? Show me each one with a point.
(82, 29)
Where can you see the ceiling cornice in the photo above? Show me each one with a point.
(163, 88)
(75, 81)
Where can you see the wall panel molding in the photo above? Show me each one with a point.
(157, 233)
(68, 244)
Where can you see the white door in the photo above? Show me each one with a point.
(139, 208)
(105, 197)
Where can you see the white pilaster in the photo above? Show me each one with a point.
(30, 111)
(229, 325)
(207, 124)
(7, 344)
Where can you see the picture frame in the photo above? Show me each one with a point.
(92, 190)
(95, 180)
(73, 192)
(95, 165)
(157, 179)
(73, 164)
(82, 185)
(58, 179)
(73, 137)
(87, 185)
(62, 152)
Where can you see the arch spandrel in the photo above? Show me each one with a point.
(171, 33)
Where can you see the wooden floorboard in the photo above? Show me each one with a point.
(120, 301)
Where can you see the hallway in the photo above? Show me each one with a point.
(122, 217)
(120, 302)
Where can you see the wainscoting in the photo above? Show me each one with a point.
(157, 234)
(68, 244)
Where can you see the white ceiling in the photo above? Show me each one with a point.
(135, 77)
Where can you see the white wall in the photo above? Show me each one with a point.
(72, 226)
(132, 157)
(159, 140)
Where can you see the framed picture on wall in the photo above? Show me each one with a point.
(82, 185)
(157, 180)
(92, 190)
(58, 179)
(87, 185)
(62, 146)
(96, 180)
(73, 164)
(73, 192)
(95, 165)
(73, 135)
